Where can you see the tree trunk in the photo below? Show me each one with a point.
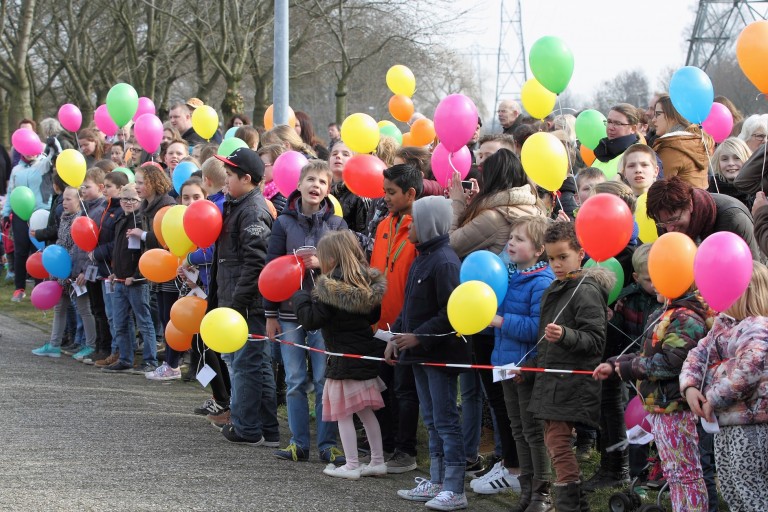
(20, 99)
(341, 99)
(233, 102)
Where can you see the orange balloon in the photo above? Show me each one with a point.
(269, 123)
(422, 132)
(187, 313)
(157, 223)
(587, 155)
(670, 264)
(401, 107)
(176, 339)
(158, 265)
(752, 53)
(407, 139)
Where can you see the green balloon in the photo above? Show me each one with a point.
(390, 130)
(127, 172)
(551, 63)
(590, 128)
(122, 103)
(615, 267)
(228, 146)
(23, 202)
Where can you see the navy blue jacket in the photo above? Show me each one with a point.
(102, 254)
(433, 276)
(521, 308)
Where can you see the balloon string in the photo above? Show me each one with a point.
(762, 174)
(450, 162)
(711, 165)
(567, 152)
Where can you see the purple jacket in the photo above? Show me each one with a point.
(733, 362)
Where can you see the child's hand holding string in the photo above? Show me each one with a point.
(405, 341)
(553, 333)
(698, 403)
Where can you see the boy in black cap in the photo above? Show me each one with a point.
(239, 257)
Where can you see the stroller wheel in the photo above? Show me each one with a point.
(620, 502)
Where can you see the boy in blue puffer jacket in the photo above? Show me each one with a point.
(516, 330)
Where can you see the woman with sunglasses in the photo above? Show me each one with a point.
(621, 128)
(683, 148)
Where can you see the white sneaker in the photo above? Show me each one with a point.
(496, 471)
(447, 500)
(377, 470)
(501, 481)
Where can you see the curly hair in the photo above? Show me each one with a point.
(155, 178)
(668, 195)
(562, 232)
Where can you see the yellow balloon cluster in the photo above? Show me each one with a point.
(173, 232)
(224, 330)
(71, 166)
(400, 80)
(360, 133)
(471, 307)
(205, 121)
(545, 160)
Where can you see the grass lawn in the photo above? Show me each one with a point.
(23, 310)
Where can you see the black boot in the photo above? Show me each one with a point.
(541, 501)
(526, 485)
(568, 498)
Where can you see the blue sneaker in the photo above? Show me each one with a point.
(83, 353)
(47, 351)
(334, 456)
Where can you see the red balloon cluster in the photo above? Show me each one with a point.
(281, 278)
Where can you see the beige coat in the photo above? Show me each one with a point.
(490, 228)
(683, 154)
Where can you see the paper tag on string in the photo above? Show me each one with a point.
(134, 242)
(192, 273)
(91, 273)
(205, 375)
(505, 372)
(637, 435)
(197, 292)
(79, 290)
(109, 287)
(383, 335)
(711, 427)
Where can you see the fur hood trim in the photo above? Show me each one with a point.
(604, 277)
(346, 297)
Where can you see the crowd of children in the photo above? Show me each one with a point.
(392, 265)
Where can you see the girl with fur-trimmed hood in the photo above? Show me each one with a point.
(345, 303)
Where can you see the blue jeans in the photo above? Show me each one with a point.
(295, 363)
(113, 323)
(437, 395)
(133, 298)
(253, 402)
(471, 412)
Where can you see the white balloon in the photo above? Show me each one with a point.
(38, 220)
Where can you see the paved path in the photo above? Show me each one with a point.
(73, 438)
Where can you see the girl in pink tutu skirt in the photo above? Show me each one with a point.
(345, 303)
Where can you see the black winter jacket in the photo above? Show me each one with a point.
(240, 254)
(125, 262)
(50, 233)
(345, 313)
(432, 278)
(355, 208)
(102, 254)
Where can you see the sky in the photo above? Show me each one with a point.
(605, 36)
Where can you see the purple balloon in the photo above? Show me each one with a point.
(104, 121)
(442, 160)
(286, 171)
(46, 295)
(70, 117)
(719, 122)
(26, 142)
(635, 414)
(149, 132)
(146, 106)
(722, 269)
(455, 121)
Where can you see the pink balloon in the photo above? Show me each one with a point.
(146, 106)
(635, 414)
(26, 142)
(70, 117)
(104, 122)
(722, 269)
(455, 121)
(149, 132)
(719, 122)
(286, 171)
(442, 160)
(46, 295)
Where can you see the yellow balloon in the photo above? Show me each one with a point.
(337, 210)
(400, 80)
(71, 166)
(538, 101)
(545, 160)
(360, 133)
(471, 307)
(648, 232)
(224, 330)
(173, 232)
(205, 121)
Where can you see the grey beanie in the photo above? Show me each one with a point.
(431, 217)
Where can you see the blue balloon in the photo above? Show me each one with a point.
(182, 173)
(57, 262)
(38, 245)
(486, 267)
(692, 93)
(230, 133)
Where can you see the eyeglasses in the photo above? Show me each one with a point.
(657, 113)
(759, 136)
(130, 200)
(669, 221)
(615, 123)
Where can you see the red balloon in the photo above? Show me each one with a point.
(364, 176)
(85, 233)
(604, 226)
(202, 223)
(281, 278)
(35, 266)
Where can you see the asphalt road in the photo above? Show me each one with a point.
(73, 438)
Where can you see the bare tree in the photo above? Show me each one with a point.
(626, 87)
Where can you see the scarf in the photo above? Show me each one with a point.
(65, 230)
(608, 149)
(703, 214)
(271, 190)
(512, 268)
